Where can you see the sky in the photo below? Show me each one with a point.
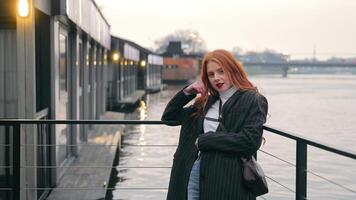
(294, 27)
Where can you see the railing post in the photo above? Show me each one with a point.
(8, 160)
(301, 171)
(16, 160)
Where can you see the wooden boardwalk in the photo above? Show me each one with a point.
(89, 182)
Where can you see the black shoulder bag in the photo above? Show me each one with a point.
(254, 178)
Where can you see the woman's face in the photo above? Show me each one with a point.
(217, 78)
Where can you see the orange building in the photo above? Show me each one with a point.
(178, 67)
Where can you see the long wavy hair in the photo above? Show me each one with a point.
(231, 67)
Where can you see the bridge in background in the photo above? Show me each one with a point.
(286, 66)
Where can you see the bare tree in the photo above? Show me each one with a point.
(191, 40)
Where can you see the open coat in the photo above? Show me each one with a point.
(243, 115)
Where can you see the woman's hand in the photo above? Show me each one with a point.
(195, 88)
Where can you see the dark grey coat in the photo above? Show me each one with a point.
(220, 171)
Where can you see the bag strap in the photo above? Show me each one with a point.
(220, 116)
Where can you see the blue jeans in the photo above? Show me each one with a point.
(193, 184)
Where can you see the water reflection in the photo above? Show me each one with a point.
(142, 110)
(133, 155)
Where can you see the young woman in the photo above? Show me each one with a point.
(223, 125)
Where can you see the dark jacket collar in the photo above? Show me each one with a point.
(211, 100)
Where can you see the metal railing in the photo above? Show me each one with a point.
(302, 144)
(301, 170)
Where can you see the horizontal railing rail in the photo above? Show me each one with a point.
(313, 142)
(110, 122)
(294, 136)
(302, 143)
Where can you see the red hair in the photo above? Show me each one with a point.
(231, 67)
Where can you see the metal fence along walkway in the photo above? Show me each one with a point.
(13, 145)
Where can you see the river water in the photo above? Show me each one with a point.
(320, 107)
